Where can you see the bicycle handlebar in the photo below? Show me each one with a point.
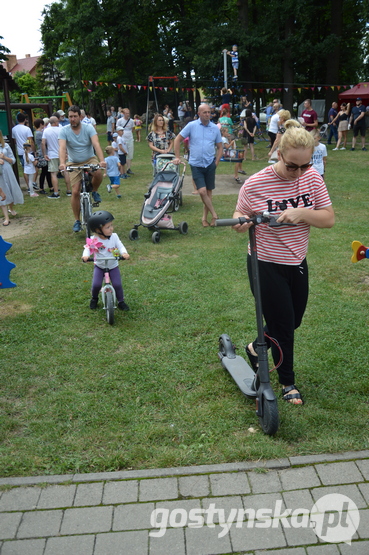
(104, 259)
(92, 167)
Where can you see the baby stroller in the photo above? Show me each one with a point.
(163, 197)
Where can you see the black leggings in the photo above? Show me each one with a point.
(45, 174)
(284, 294)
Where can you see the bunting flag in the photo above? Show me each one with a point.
(216, 88)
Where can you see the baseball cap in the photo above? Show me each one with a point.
(61, 113)
(358, 98)
(115, 134)
(119, 128)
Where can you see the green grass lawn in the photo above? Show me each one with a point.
(78, 395)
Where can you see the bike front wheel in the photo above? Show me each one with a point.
(109, 304)
(86, 213)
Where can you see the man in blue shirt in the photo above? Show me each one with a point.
(333, 127)
(82, 143)
(358, 123)
(204, 137)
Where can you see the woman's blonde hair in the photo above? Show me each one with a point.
(284, 114)
(295, 136)
(2, 142)
(154, 126)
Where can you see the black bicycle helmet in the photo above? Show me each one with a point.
(99, 219)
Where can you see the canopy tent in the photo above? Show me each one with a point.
(361, 90)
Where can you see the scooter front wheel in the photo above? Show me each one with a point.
(269, 421)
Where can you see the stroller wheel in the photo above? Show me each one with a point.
(155, 237)
(176, 204)
(133, 234)
(180, 198)
(183, 228)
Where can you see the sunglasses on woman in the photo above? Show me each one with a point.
(294, 167)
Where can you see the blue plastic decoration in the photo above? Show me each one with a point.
(5, 266)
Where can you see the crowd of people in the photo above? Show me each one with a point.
(72, 137)
(296, 174)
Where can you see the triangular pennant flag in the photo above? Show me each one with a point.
(286, 89)
(332, 87)
(299, 89)
(319, 88)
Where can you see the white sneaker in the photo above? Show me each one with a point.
(335, 148)
(34, 195)
(343, 148)
(109, 188)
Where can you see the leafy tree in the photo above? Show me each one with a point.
(3, 51)
(26, 83)
(281, 44)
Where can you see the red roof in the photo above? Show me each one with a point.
(25, 64)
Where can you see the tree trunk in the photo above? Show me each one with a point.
(288, 74)
(333, 58)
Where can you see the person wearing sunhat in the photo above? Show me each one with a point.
(358, 123)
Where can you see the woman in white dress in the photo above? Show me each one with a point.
(8, 182)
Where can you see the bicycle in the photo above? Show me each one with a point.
(86, 202)
(107, 290)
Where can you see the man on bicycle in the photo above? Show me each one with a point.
(80, 142)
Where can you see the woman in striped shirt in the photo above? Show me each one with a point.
(295, 192)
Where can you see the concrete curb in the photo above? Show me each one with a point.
(278, 464)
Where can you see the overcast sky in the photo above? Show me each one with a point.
(20, 26)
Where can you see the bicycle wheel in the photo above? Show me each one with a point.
(109, 303)
(270, 420)
(86, 212)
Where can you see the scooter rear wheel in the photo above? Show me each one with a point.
(269, 422)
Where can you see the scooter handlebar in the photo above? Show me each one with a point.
(232, 221)
(264, 218)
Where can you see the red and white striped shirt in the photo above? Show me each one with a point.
(266, 190)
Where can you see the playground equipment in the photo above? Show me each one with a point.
(5, 266)
(65, 100)
(151, 84)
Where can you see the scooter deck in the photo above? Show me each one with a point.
(242, 374)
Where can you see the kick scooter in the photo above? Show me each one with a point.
(253, 385)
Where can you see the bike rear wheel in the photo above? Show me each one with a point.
(109, 303)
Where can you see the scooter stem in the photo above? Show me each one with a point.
(262, 350)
